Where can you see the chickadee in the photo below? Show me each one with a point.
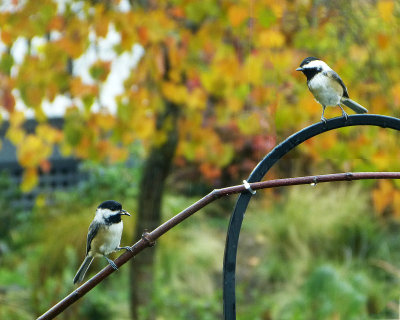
(327, 87)
(104, 235)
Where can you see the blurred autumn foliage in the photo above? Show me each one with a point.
(229, 69)
(226, 67)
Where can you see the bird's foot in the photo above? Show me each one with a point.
(323, 119)
(112, 263)
(126, 248)
(344, 114)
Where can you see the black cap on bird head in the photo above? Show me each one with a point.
(111, 205)
(307, 60)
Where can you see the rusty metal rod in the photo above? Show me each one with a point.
(148, 239)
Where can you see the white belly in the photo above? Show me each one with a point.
(325, 91)
(107, 239)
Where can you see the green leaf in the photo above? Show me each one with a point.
(6, 63)
(266, 17)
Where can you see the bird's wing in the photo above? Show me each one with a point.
(93, 229)
(333, 75)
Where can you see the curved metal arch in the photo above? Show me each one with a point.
(235, 223)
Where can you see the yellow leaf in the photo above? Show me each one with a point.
(48, 134)
(159, 138)
(213, 82)
(174, 92)
(101, 21)
(271, 39)
(359, 53)
(385, 9)
(277, 7)
(30, 179)
(105, 121)
(381, 160)
(66, 149)
(40, 201)
(234, 104)
(15, 135)
(32, 151)
(249, 123)
(197, 99)
(396, 93)
(17, 118)
(74, 41)
(145, 127)
(83, 148)
(117, 154)
(254, 69)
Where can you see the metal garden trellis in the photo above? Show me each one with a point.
(245, 190)
(235, 223)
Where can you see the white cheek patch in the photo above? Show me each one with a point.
(104, 213)
(317, 64)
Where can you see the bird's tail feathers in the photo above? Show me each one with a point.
(353, 105)
(82, 269)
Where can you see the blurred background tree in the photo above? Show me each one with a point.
(213, 90)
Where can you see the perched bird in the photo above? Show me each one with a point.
(327, 87)
(104, 235)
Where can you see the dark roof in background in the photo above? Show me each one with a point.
(8, 150)
(64, 172)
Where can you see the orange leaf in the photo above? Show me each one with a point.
(396, 203)
(7, 99)
(101, 21)
(395, 90)
(209, 171)
(143, 35)
(79, 89)
(383, 41)
(382, 196)
(56, 23)
(45, 166)
(6, 37)
(237, 15)
(177, 12)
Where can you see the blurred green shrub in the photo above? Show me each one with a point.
(11, 213)
(316, 253)
(313, 255)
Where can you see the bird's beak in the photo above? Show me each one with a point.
(299, 69)
(126, 213)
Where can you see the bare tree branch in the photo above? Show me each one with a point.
(148, 239)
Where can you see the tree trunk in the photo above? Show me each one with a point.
(155, 172)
